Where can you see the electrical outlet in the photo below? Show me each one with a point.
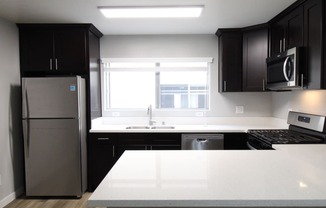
(239, 109)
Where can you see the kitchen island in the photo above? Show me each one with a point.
(290, 176)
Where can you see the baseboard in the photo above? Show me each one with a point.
(11, 197)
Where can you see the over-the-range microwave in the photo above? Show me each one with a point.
(285, 70)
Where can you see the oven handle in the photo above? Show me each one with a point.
(284, 68)
(250, 146)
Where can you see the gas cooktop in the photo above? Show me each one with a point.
(303, 129)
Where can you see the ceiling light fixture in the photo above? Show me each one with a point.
(152, 12)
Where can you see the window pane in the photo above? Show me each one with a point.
(186, 89)
(131, 89)
(137, 86)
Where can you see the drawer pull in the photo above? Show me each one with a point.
(102, 138)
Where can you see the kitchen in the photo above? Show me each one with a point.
(256, 104)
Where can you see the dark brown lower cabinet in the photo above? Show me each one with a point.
(106, 148)
(235, 141)
(101, 157)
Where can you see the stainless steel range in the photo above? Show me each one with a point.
(303, 129)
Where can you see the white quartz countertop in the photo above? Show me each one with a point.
(290, 176)
(189, 125)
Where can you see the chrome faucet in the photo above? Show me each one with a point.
(150, 113)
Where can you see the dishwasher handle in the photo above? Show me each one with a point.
(201, 140)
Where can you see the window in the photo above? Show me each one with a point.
(131, 84)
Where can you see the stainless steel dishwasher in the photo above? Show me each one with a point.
(202, 141)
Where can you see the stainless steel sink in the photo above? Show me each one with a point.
(137, 127)
(162, 127)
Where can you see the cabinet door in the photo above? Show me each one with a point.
(313, 44)
(166, 147)
(95, 76)
(277, 37)
(121, 148)
(102, 158)
(70, 51)
(36, 51)
(294, 28)
(255, 44)
(235, 141)
(230, 62)
(287, 32)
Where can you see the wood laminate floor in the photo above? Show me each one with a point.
(50, 203)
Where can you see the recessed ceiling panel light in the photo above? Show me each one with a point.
(152, 12)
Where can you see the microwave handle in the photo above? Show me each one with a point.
(284, 69)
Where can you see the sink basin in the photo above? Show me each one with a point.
(162, 127)
(137, 127)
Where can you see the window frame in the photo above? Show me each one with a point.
(140, 111)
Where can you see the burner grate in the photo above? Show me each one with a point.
(282, 136)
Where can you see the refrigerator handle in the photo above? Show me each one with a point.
(25, 100)
(26, 127)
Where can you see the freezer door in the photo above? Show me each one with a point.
(55, 97)
(52, 157)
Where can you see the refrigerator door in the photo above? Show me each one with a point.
(51, 97)
(52, 157)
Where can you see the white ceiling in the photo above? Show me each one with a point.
(216, 14)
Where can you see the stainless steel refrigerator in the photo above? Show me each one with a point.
(54, 128)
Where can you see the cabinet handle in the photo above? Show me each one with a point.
(284, 44)
(56, 64)
(281, 45)
(113, 154)
(224, 86)
(264, 89)
(51, 64)
(301, 81)
(102, 138)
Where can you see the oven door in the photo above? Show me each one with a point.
(254, 143)
(282, 71)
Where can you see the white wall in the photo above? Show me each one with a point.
(153, 46)
(308, 101)
(11, 146)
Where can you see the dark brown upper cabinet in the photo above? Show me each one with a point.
(303, 25)
(55, 49)
(315, 43)
(64, 50)
(255, 52)
(242, 59)
(230, 60)
(287, 30)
